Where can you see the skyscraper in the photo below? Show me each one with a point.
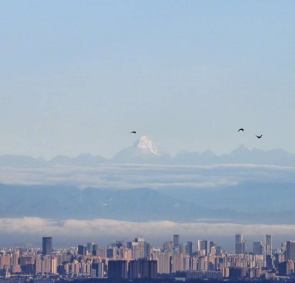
(117, 269)
(164, 263)
(138, 248)
(47, 245)
(90, 247)
(240, 247)
(142, 268)
(176, 240)
(147, 250)
(189, 248)
(82, 250)
(268, 244)
(97, 270)
(238, 238)
(290, 251)
(204, 245)
(95, 249)
(257, 248)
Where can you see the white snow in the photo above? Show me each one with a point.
(148, 147)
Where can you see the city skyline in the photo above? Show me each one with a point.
(139, 259)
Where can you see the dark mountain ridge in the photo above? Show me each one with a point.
(58, 202)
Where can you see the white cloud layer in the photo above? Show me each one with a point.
(151, 176)
(106, 227)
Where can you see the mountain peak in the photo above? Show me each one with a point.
(148, 147)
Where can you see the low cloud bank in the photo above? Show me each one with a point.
(103, 227)
(151, 176)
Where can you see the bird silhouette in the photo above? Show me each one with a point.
(133, 132)
(241, 130)
(259, 137)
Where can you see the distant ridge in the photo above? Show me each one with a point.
(62, 202)
(145, 151)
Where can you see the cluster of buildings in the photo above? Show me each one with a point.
(138, 259)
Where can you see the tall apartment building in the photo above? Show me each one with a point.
(82, 250)
(290, 250)
(117, 269)
(177, 262)
(47, 245)
(240, 246)
(189, 248)
(257, 248)
(164, 263)
(90, 247)
(175, 241)
(268, 244)
(142, 268)
(137, 248)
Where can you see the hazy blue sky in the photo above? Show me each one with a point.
(78, 76)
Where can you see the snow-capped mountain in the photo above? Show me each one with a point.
(145, 151)
(142, 151)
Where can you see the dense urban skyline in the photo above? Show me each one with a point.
(139, 259)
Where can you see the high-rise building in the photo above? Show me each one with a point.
(175, 240)
(47, 245)
(97, 270)
(269, 262)
(164, 263)
(290, 250)
(286, 268)
(117, 269)
(268, 244)
(204, 245)
(90, 247)
(283, 246)
(142, 268)
(257, 248)
(240, 246)
(138, 248)
(82, 250)
(218, 250)
(95, 249)
(189, 248)
(147, 250)
(53, 265)
(177, 262)
(110, 252)
(181, 249)
(238, 238)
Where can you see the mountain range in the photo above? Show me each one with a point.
(145, 151)
(62, 202)
(247, 203)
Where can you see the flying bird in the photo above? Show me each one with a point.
(259, 137)
(241, 130)
(133, 132)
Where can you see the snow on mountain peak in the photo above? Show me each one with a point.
(148, 147)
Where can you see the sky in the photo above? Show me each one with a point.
(78, 76)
